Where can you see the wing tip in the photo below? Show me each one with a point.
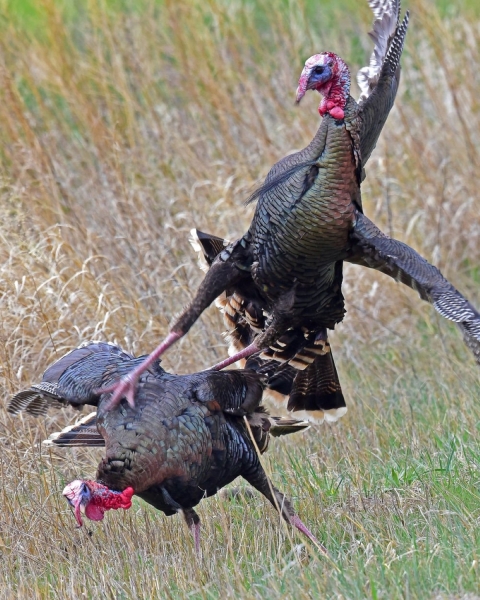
(388, 35)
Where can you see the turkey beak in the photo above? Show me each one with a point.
(302, 85)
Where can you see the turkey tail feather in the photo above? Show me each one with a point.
(207, 246)
(83, 433)
(317, 391)
(285, 426)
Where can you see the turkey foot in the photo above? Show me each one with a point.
(126, 386)
(298, 523)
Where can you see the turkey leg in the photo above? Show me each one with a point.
(219, 277)
(259, 480)
(193, 522)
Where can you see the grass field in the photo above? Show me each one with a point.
(123, 125)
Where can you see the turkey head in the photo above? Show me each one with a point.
(329, 75)
(93, 499)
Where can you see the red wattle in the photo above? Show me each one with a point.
(337, 112)
(116, 500)
(105, 499)
(94, 513)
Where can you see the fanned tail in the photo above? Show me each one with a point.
(315, 389)
(317, 392)
(280, 377)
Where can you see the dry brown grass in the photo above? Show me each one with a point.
(123, 129)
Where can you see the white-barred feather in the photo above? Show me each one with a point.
(387, 13)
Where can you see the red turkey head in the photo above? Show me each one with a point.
(329, 75)
(93, 499)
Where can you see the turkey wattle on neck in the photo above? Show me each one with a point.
(329, 75)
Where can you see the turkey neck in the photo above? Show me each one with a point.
(299, 233)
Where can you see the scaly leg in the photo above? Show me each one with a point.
(219, 277)
(125, 388)
(260, 481)
(261, 343)
(245, 353)
(193, 522)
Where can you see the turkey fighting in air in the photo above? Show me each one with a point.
(284, 276)
(288, 266)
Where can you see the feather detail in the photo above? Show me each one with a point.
(207, 247)
(285, 426)
(372, 248)
(36, 400)
(387, 18)
(83, 433)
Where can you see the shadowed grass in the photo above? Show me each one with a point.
(121, 129)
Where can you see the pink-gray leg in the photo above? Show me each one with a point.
(258, 478)
(245, 353)
(126, 387)
(297, 522)
(195, 529)
(193, 522)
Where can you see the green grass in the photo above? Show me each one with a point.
(122, 126)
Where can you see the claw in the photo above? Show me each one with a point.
(296, 522)
(125, 388)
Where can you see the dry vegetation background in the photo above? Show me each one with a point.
(123, 125)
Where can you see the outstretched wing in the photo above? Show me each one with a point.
(379, 81)
(73, 379)
(387, 20)
(372, 248)
(36, 400)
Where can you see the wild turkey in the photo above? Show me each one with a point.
(189, 435)
(285, 273)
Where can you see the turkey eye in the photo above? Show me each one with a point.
(319, 70)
